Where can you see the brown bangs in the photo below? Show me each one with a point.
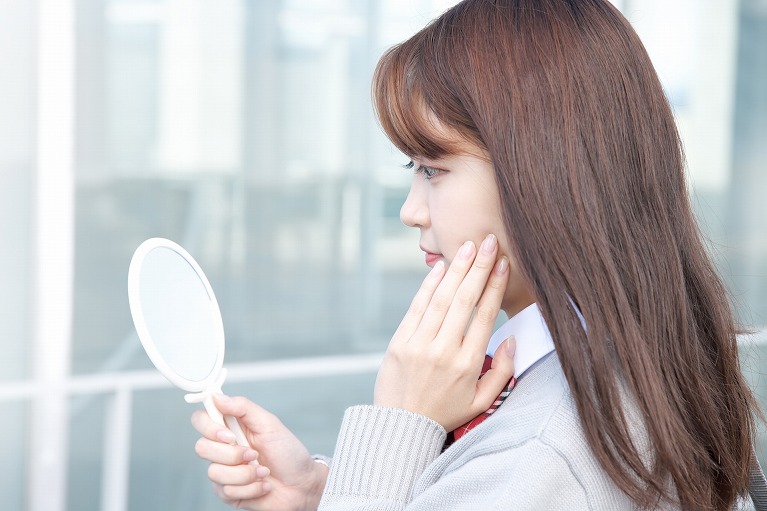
(405, 91)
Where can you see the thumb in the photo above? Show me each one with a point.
(497, 377)
(229, 405)
(247, 413)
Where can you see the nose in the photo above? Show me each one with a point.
(415, 211)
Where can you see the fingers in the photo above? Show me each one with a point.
(251, 416)
(225, 454)
(453, 293)
(211, 430)
(237, 407)
(444, 296)
(488, 307)
(479, 286)
(420, 303)
(218, 444)
(497, 377)
(238, 475)
(231, 494)
(233, 469)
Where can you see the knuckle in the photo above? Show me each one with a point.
(396, 352)
(459, 267)
(497, 283)
(484, 262)
(195, 419)
(466, 300)
(486, 314)
(407, 352)
(463, 365)
(402, 355)
(228, 492)
(440, 304)
(200, 447)
(213, 472)
(436, 354)
(416, 308)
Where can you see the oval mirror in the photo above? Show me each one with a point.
(178, 322)
(176, 314)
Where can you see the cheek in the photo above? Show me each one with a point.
(470, 210)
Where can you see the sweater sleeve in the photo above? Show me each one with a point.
(379, 455)
(382, 453)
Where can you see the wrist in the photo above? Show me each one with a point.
(316, 482)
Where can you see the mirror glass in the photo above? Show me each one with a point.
(181, 320)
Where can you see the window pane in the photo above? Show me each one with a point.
(17, 127)
(243, 130)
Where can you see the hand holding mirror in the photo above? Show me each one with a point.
(179, 323)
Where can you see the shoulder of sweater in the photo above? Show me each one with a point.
(540, 410)
(539, 418)
(538, 426)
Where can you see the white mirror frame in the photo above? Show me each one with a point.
(203, 389)
(134, 298)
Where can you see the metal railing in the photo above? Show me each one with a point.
(119, 389)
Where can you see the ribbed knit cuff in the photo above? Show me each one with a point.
(381, 452)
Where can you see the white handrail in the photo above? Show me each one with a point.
(120, 386)
(242, 372)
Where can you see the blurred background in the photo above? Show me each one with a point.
(243, 130)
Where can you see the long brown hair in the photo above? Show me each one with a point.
(588, 161)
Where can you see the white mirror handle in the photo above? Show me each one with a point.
(225, 420)
(234, 426)
(206, 398)
(213, 412)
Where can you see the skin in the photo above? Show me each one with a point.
(455, 199)
(432, 364)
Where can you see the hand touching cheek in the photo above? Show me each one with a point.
(431, 367)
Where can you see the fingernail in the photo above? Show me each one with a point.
(223, 398)
(262, 472)
(466, 250)
(249, 455)
(226, 436)
(489, 244)
(438, 266)
(511, 345)
(266, 487)
(503, 265)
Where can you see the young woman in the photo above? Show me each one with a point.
(548, 183)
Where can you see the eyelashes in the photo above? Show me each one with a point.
(427, 172)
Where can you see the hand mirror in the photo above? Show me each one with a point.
(179, 323)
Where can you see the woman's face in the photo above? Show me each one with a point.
(454, 199)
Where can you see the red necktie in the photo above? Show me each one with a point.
(462, 430)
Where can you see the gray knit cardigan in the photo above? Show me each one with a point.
(529, 455)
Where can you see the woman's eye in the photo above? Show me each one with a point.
(427, 172)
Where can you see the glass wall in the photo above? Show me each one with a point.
(243, 130)
(17, 165)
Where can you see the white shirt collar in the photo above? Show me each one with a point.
(533, 338)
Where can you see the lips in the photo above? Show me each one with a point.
(431, 257)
